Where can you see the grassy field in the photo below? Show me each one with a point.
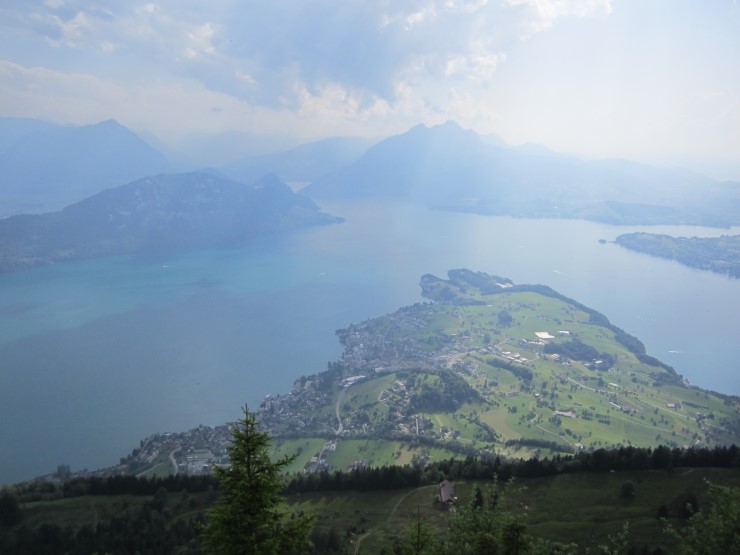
(88, 509)
(584, 508)
(304, 449)
(534, 402)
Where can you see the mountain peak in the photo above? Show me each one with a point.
(107, 123)
(55, 165)
(450, 124)
(166, 211)
(448, 128)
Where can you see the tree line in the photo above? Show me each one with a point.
(485, 468)
(175, 514)
(39, 490)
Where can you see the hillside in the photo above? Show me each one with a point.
(490, 367)
(452, 168)
(46, 167)
(716, 254)
(375, 510)
(154, 214)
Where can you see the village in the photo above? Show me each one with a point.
(400, 373)
(191, 453)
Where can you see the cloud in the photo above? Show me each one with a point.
(542, 14)
(159, 107)
(479, 65)
(362, 44)
(561, 72)
(200, 41)
(323, 66)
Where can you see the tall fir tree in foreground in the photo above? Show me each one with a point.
(249, 515)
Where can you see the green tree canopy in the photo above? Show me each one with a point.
(714, 530)
(249, 515)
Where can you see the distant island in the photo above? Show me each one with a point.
(487, 368)
(159, 213)
(716, 254)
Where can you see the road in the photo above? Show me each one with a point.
(173, 461)
(340, 427)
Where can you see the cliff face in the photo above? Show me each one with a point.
(156, 213)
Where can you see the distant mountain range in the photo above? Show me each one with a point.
(156, 213)
(305, 162)
(46, 167)
(452, 168)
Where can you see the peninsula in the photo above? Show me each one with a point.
(486, 368)
(716, 254)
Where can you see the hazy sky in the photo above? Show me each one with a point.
(654, 80)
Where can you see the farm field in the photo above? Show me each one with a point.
(492, 368)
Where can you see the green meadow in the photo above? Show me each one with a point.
(543, 375)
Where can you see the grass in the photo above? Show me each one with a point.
(367, 392)
(161, 470)
(304, 449)
(76, 511)
(160, 467)
(621, 406)
(374, 452)
(585, 508)
(590, 506)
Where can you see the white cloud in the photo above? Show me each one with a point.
(429, 12)
(108, 47)
(471, 6)
(372, 68)
(200, 40)
(245, 77)
(479, 65)
(544, 13)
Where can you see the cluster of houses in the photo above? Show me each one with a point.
(296, 410)
(193, 452)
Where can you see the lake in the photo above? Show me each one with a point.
(96, 355)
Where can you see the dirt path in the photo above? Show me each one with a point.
(173, 461)
(390, 515)
(340, 426)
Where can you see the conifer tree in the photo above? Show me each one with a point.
(249, 515)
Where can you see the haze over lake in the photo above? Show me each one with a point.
(96, 355)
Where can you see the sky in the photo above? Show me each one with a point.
(649, 80)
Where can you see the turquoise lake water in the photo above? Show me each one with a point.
(96, 355)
